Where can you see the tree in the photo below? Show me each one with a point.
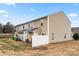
(1, 28)
(75, 36)
(8, 28)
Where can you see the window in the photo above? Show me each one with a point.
(23, 26)
(41, 24)
(65, 35)
(28, 25)
(52, 36)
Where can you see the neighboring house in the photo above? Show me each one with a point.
(75, 30)
(57, 26)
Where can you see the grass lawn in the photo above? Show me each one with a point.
(10, 47)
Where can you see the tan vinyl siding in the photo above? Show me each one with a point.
(29, 36)
(26, 26)
(41, 29)
(17, 28)
(59, 25)
(58, 28)
(44, 27)
(21, 27)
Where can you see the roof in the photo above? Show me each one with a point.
(39, 18)
(32, 21)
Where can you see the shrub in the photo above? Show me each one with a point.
(13, 37)
(75, 36)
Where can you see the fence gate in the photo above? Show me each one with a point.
(38, 40)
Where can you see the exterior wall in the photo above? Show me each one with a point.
(36, 24)
(19, 28)
(29, 36)
(41, 29)
(26, 26)
(59, 27)
(45, 26)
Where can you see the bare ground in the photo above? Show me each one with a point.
(16, 48)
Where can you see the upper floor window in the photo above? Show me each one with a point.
(23, 26)
(31, 25)
(28, 25)
(41, 24)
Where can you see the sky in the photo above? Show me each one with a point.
(18, 13)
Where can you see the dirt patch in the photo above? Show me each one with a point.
(18, 48)
(40, 48)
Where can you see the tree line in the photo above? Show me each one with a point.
(7, 28)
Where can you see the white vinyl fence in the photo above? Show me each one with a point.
(38, 40)
(22, 37)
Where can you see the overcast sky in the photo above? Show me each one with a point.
(18, 13)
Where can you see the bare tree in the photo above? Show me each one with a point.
(8, 28)
(1, 28)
